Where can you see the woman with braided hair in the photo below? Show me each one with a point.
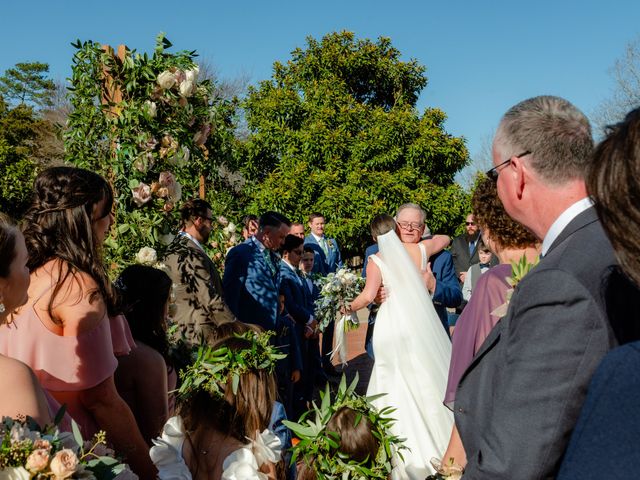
(64, 332)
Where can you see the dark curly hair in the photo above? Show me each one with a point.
(58, 225)
(490, 214)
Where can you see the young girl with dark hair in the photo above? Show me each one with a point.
(64, 332)
(145, 376)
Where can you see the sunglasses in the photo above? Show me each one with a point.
(494, 173)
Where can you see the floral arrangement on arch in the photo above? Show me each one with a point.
(30, 452)
(154, 128)
(223, 237)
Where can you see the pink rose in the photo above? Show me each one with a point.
(141, 194)
(167, 179)
(64, 464)
(42, 443)
(38, 460)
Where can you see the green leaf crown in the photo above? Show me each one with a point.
(319, 447)
(214, 368)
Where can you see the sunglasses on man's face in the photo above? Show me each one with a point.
(494, 172)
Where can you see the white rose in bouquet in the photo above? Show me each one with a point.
(187, 88)
(192, 75)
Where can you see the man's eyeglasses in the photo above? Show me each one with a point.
(494, 173)
(469, 224)
(410, 225)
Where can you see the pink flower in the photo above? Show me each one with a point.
(38, 460)
(64, 464)
(141, 194)
(200, 138)
(42, 443)
(168, 207)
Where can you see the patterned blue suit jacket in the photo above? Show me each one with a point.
(250, 286)
(322, 263)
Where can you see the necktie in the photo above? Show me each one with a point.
(472, 246)
(267, 258)
(324, 246)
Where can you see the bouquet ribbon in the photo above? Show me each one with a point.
(340, 329)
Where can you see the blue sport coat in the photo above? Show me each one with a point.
(295, 295)
(250, 286)
(448, 292)
(324, 264)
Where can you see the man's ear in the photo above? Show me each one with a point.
(521, 174)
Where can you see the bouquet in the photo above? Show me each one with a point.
(30, 452)
(336, 291)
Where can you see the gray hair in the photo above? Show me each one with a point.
(413, 206)
(555, 132)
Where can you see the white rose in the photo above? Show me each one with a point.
(166, 80)
(15, 473)
(151, 108)
(64, 464)
(147, 256)
(192, 75)
(187, 88)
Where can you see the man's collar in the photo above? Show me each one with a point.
(286, 262)
(192, 238)
(317, 237)
(258, 243)
(562, 221)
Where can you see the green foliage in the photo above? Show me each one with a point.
(153, 138)
(320, 447)
(336, 131)
(18, 131)
(28, 83)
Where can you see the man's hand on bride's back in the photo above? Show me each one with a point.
(381, 296)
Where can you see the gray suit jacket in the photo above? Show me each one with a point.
(519, 400)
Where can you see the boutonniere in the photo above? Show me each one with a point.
(519, 270)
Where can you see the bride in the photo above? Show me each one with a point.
(412, 350)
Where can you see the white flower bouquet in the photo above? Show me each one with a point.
(29, 452)
(336, 291)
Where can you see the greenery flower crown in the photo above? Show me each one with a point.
(211, 370)
(317, 446)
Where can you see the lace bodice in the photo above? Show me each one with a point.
(242, 464)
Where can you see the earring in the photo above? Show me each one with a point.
(2, 309)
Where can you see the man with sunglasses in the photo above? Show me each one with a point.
(198, 287)
(519, 400)
(464, 248)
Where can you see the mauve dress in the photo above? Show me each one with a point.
(67, 363)
(475, 323)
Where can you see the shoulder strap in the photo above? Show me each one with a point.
(423, 256)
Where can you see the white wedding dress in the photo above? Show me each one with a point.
(242, 464)
(412, 355)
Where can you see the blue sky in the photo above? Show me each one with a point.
(481, 57)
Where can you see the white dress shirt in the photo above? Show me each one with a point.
(562, 221)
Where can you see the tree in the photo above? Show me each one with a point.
(336, 130)
(28, 84)
(626, 92)
(153, 129)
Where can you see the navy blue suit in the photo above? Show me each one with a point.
(322, 263)
(605, 441)
(250, 286)
(295, 295)
(325, 264)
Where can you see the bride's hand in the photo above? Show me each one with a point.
(381, 296)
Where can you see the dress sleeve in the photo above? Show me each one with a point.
(121, 337)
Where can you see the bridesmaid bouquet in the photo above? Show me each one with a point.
(30, 452)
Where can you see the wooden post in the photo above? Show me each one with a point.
(202, 191)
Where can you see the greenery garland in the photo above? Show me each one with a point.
(318, 446)
(212, 369)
